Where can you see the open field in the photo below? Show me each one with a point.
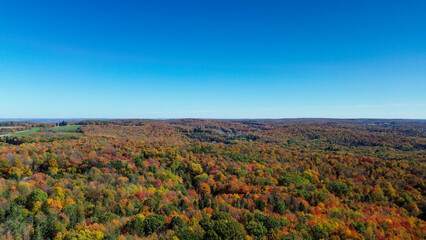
(68, 128)
(26, 132)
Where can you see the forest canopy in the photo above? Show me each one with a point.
(215, 179)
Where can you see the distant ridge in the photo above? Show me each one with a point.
(352, 120)
(47, 120)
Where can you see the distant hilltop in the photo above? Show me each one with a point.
(47, 120)
(367, 121)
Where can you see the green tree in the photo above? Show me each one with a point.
(271, 222)
(38, 232)
(50, 229)
(37, 195)
(260, 204)
(137, 225)
(256, 229)
(229, 230)
(185, 233)
(152, 223)
(339, 188)
(279, 207)
(211, 235)
(4, 164)
(177, 223)
(319, 232)
(75, 214)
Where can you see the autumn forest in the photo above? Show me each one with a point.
(213, 179)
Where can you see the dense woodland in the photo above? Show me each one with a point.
(214, 179)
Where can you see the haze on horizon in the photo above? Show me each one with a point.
(213, 59)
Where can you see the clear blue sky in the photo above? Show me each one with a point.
(213, 59)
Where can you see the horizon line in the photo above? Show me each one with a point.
(182, 118)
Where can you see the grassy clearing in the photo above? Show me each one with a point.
(68, 128)
(25, 133)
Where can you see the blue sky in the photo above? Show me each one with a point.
(212, 59)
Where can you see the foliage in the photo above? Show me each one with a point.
(214, 179)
